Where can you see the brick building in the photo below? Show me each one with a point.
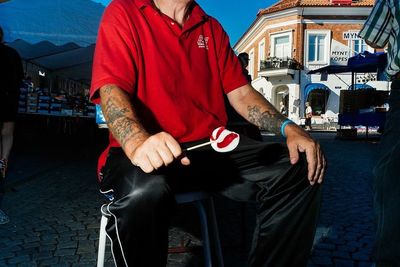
(293, 37)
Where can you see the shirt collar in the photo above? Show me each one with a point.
(197, 11)
(144, 3)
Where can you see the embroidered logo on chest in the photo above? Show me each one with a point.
(202, 42)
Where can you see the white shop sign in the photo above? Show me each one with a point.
(351, 35)
(339, 53)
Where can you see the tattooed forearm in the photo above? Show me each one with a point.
(268, 120)
(121, 126)
(119, 114)
(123, 130)
(108, 89)
(112, 112)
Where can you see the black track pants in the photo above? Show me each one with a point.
(255, 171)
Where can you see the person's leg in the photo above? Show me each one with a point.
(387, 187)
(288, 205)
(3, 217)
(308, 123)
(139, 215)
(287, 213)
(7, 138)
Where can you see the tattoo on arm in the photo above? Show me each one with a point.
(108, 89)
(120, 119)
(113, 113)
(268, 120)
(123, 131)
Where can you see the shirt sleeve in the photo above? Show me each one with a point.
(231, 72)
(378, 25)
(114, 57)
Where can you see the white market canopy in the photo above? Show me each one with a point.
(56, 21)
(69, 60)
(56, 35)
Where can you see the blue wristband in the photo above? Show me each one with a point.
(284, 123)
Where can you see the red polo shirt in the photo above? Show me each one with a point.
(176, 76)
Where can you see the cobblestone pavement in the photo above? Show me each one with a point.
(53, 203)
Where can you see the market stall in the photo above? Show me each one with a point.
(57, 79)
(57, 49)
(361, 104)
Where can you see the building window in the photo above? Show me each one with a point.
(358, 46)
(281, 45)
(316, 48)
(261, 53)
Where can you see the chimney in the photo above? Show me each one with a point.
(341, 2)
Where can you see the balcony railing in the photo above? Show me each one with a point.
(275, 63)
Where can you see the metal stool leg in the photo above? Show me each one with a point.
(215, 233)
(102, 241)
(204, 233)
(209, 232)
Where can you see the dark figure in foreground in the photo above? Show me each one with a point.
(382, 29)
(11, 75)
(161, 70)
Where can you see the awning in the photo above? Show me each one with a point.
(331, 69)
(314, 86)
(361, 63)
(57, 36)
(29, 51)
(368, 60)
(58, 22)
(359, 86)
(68, 60)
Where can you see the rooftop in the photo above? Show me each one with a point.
(285, 4)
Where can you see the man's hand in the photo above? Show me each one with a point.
(149, 152)
(257, 110)
(156, 151)
(300, 141)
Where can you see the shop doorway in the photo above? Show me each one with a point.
(317, 95)
(281, 95)
(318, 100)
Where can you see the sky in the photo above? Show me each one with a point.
(236, 16)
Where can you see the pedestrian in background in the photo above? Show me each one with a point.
(381, 29)
(11, 75)
(308, 116)
(244, 61)
(282, 108)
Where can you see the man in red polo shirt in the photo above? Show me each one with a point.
(160, 72)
